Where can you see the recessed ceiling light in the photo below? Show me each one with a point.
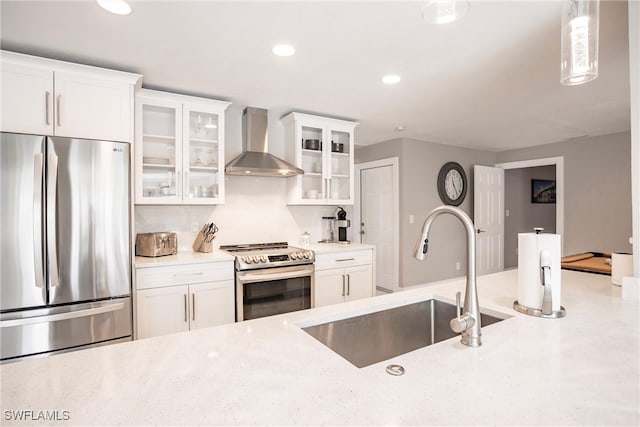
(283, 50)
(119, 7)
(399, 128)
(391, 79)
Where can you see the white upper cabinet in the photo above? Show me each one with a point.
(47, 97)
(179, 149)
(324, 149)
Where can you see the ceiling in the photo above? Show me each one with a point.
(489, 81)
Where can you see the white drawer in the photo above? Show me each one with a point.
(156, 277)
(329, 260)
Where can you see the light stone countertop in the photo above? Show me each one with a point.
(582, 369)
(217, 255)
(338, 247)
(183, 258)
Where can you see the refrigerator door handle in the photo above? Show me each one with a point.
(61, 316)
(37, 223)
(52, 245)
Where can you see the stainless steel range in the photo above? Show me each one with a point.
(271, 278)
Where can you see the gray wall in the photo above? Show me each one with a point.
(524, 215)
(420, 162)
(597, 177)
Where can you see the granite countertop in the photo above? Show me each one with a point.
(582, 369)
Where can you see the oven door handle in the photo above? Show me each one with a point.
(271, 275)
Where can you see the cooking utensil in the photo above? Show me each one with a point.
(337, 147)
(312, 144)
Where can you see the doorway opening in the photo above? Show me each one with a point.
(523, 210)
(518, 177)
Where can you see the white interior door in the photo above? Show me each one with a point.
(488, 217)
(379, 219)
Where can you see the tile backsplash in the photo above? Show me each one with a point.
(255, 210)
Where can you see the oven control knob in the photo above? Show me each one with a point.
(293, 255)
(307, 255)
(264, 258)
(246, 259)
(255, 259)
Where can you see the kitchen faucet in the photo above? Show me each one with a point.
(468, 323)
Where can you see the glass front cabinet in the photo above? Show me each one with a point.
(324, 149)
(179, 149)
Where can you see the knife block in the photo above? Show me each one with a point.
(199, 245)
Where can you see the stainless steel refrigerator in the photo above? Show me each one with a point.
(65, 254)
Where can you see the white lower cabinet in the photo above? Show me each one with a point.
(181, 299)
(342, 284)
(349, 283)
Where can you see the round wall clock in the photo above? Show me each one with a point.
(452, 184)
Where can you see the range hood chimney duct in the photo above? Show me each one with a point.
(255, 158)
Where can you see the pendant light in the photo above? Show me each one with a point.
(444, 11)
(579, 49)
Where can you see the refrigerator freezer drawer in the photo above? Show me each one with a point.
(59, 328)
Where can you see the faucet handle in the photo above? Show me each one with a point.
(461, 322)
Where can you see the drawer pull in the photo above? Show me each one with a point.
(345, 259)
(200, 273)
(186, 319)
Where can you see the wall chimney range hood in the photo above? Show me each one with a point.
(255, 159)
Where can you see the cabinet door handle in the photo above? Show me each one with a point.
(193, 307)
(58, 113)
(179, 184)
(343, 285)
(47, 95)
(186, 319)
(345, 259)
(348, 284)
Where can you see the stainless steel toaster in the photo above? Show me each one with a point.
(156, 244)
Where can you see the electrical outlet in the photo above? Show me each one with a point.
(195, 227)
(506, 213)
(458, 266)
(412, 219)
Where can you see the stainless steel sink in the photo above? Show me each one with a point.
(373, 337)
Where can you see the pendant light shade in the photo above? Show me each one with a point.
(579, 50)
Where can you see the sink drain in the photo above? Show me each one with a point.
(396, 370)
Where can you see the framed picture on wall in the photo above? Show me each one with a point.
(543, 191)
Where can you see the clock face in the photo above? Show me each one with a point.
(452, 184)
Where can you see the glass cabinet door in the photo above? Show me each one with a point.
(161, 156)
(202, 163)
(340, 160)
(313, 187)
